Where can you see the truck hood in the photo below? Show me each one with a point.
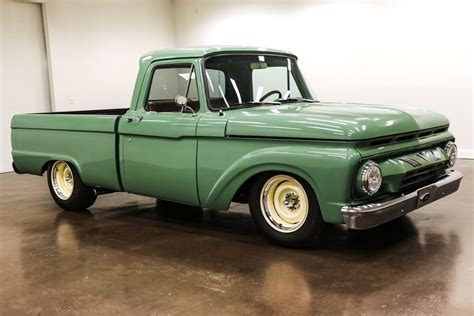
(329, 121)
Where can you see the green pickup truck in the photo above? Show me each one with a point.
(208, 126)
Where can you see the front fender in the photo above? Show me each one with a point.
(225, 188)
(328, 169)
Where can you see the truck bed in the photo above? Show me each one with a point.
(117, 111)
(88, 139)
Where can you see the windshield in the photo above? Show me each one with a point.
(248, 80)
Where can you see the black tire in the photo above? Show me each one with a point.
(82, 196)
(312, 229)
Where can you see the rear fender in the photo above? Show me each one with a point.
(37, 163)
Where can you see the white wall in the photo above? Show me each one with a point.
(93, 49)
(24, 72)
(3, 146)
(95, 45)
(392, 52)
(416, 53)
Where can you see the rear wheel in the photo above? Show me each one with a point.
(286, 209)
(67, 188)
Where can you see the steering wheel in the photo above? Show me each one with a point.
(266, 95)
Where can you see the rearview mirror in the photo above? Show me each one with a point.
(258, 65)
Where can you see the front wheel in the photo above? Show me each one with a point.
(286, 209)
(67, 188)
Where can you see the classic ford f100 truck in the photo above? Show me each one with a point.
(212, 125)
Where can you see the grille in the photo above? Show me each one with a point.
(408, 136)
(418, 177)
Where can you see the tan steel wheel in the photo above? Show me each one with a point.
(284, 203)
(62, 180)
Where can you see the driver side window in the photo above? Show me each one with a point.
(167, 83)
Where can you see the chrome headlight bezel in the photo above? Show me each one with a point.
(368, 171)
(451, 152)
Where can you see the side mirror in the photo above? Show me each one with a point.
(181, 101)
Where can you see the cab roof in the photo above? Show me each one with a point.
(203, 51)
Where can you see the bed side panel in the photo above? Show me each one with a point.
(86, 141)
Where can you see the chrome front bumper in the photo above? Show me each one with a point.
(371, 215)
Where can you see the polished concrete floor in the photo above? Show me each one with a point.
(128, 256)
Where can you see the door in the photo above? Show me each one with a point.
(24, 83)
(158, 139)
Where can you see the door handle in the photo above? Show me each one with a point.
(134, 118)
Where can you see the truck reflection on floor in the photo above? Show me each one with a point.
(143, 252)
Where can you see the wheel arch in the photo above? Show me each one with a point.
(69, 160)
(233, 186)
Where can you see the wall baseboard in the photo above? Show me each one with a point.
(466, 154)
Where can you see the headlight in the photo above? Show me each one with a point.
(452, 152)
(371, 177)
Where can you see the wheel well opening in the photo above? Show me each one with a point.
(44, 168)
(242, 194)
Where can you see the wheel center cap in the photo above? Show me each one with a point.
(292, 201)
(68, 177)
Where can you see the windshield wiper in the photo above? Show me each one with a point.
(297, 100)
